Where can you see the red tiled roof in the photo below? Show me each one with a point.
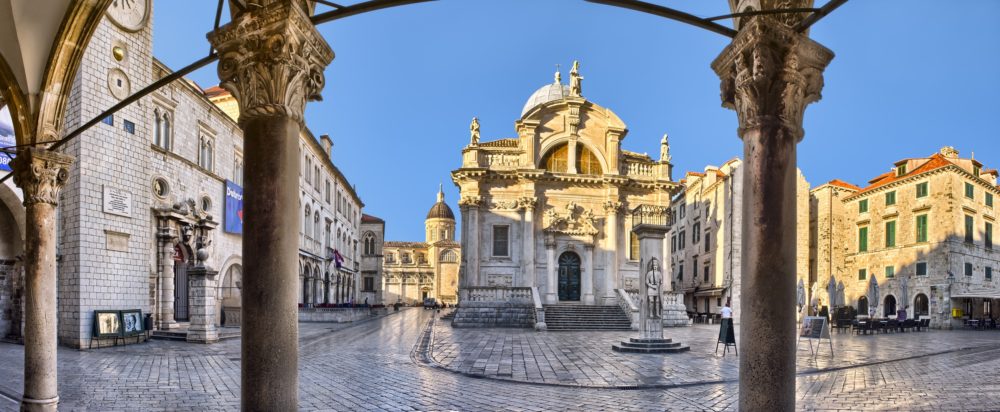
(215, 91)
(936, 161)
(366, 218)
(843, 184)
(405, 244)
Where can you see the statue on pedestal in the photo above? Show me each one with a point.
(654, 280)
(575, 80)
(474, 131)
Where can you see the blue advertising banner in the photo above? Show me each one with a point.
(234, 208)
(6, 138)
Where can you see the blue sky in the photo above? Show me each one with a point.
(910, 76)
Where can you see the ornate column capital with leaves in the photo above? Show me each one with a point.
(41, 174)
(272, 60)
(769, 73)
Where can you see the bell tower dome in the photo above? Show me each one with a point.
(440, 222)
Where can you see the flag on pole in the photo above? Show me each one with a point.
(336, 257)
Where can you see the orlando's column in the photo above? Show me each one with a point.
(769, 74)
(41, 175)
(272, 61)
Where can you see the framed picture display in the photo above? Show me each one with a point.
(132, 322)
(107, 323)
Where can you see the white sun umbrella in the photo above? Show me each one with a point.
(840, 294)
(872, 295)
(800, 294)
(903, 291)
(831, 293)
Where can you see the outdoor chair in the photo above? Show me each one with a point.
(892, 325)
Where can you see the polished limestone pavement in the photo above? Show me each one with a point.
(396, 363)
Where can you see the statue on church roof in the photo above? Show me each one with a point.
(575, 80)
(558, 76)
(664, 149)
(474, 131)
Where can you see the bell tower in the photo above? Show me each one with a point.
(440, 222)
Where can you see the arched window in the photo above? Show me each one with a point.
(316, 226)
(207, 154)
(306, 222)
(863, 305)
(920, 305)
(557, 160)
(586, 162)
(157, 128)
(369, 244)
(449, 256)
(168, 141)
(308, 167)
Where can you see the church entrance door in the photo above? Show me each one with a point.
(180, 286)
(569, 276)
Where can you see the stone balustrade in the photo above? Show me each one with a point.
(628, 300)
(520, 295)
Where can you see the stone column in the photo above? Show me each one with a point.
(612, 209)
(587, 283)
(552, 288)
(168, 241)
(41, 175)
(528, 259)
(202, 329)
(272, 61)
(651, 259)
(769, 74)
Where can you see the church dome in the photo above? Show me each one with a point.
(548, 93)
(440, 210)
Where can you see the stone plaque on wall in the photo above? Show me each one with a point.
(500, 280)
(116, 241)
(631, 283)
(117, 201)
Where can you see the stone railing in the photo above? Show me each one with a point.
(539, 309)
(522, 295)
(628, 301)
(631, 168)
(499, 160)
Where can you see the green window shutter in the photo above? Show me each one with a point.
(863, 206)
(922, 228)
(989, 199)
(890, 271)
(969, 224)
(922, 269)
(863, 239)
(890, 198)
(890, 234)
(989, 235)
(970, 191)
(922, 190)
(862, 274)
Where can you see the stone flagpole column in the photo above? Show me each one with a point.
(272, 61)
(41, 175)
(651, 279)
(769, 74)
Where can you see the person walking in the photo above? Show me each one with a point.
(727, 312)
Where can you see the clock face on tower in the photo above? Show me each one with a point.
(130, 15)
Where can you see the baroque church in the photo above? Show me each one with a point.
(414, 271)
(552, 207)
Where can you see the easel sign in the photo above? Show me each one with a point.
(727, 337)
(815, 327)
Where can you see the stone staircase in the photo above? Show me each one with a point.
(580, 317)
(225, 333)
(640, 345)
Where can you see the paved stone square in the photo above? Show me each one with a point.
(403, 362)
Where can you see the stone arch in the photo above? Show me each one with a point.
(921, 305)
(889, 305)
(230, 293)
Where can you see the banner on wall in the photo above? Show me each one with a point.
(6, 138)
(234, 208)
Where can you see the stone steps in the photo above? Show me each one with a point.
(636, 345)
(567, 317)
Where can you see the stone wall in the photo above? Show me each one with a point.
(494, 315)
(338, 315)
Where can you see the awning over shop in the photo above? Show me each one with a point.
(709, 292)
(977, 294)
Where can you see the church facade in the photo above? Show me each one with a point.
(414, 271)
(550, 208)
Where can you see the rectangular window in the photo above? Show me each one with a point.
(696, 234)
(970, 223)
(673, 243)
(694, 267)
(369, 284)
(863, 206)
(921, 189)
(989, 235)
(129, 127)
(890, 234)
(921, 268)
(989, 273)
(890, 271)
(970, 191)
(680, 272)
(633, 246)
(968, 269)
(681, 208)
(890, 198)
(862, 239)
(862, 274)
(707, 241)
(921, 228)
(110, 120)
(989, 199)
(681, 239)
(327, 192)
(501, 240)
(976, 171)
(900, 170)
(705, 273)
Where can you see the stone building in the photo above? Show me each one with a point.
(550, 207)
(155, 192)
(415, 271)
(928, 222)
(706, 237)
(372, 239)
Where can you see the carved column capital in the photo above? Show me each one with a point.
(41, 174)
(527, 203)
(769, 73)
(613, 207)
(272, 60)
(468, 202)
